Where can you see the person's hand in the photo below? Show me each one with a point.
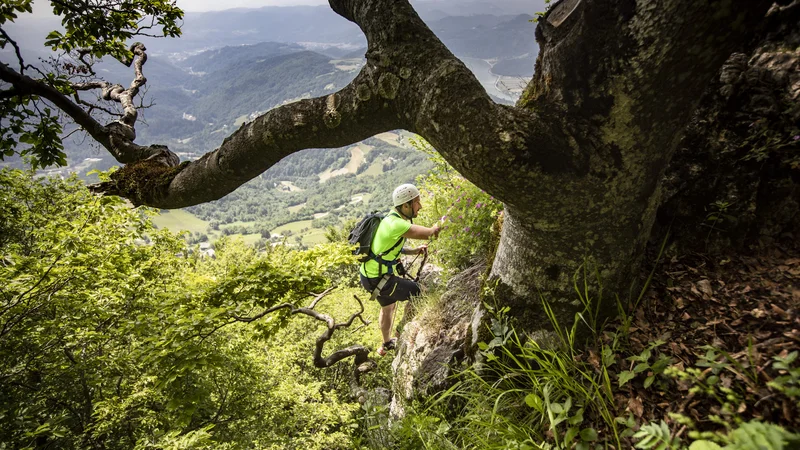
(422, 249)
(436, 230)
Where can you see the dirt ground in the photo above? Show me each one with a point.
(742, 309)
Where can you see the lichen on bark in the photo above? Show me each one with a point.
(143, 182)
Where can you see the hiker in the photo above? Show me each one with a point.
(381, 274)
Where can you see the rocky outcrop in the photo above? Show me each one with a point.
(437, 340)
(735, 180)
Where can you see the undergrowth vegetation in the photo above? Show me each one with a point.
(465, 212)
(524, 396)
(112, 335)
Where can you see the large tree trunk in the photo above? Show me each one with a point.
(734, 182)
(621, 82)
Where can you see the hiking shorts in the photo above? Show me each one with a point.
(395, 290)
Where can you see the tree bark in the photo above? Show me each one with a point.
(734, 182)
(621, 78)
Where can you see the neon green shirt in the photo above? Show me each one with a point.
(390, 230)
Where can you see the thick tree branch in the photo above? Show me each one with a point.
(410, 81)
(355, 113)
(440, 99)
(8, 94)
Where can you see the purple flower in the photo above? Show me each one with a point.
(796, 138)
(478, 205)
(466, 228)
(461, 217)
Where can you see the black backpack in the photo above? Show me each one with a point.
(362, 235)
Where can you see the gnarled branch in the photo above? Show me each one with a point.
(117, 137)
(362, 363)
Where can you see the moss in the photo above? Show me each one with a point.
(145, 182)
(494, 241)
(268, 139)
(388, 85)
(363, 92)
(384, 60)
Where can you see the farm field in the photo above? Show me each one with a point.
(249, 239)
(296, 208)
(294, 227)
(177, 220)
(376, 168)
(314, 237)
(356, 159)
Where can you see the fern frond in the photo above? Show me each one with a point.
(655, 436)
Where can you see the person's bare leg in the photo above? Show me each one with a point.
(385, 321)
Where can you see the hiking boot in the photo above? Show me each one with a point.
(390, 345)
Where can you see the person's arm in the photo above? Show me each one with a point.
(420, 232)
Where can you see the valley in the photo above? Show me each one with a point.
(229, 67)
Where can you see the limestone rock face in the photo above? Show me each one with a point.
(435, 341)
(735, 179)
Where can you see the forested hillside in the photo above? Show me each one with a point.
(111, 336)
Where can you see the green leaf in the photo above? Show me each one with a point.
(704, 445)
(625, 376)
(534, 401)
(570, 435)
(589, 434)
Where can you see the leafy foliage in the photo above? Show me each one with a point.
(655, 436)
(103, 27)
(751, 435)
(112, 336)
(465, 212)
(27, 121)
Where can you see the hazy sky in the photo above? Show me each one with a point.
(42, 8)
(213, 5)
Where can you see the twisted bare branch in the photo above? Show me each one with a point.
(117, 137)
(362, 363)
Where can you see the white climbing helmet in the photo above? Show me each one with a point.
(404, 194)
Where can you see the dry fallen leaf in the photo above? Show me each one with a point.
(594, 360)
(705, 287)
(635, 406)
